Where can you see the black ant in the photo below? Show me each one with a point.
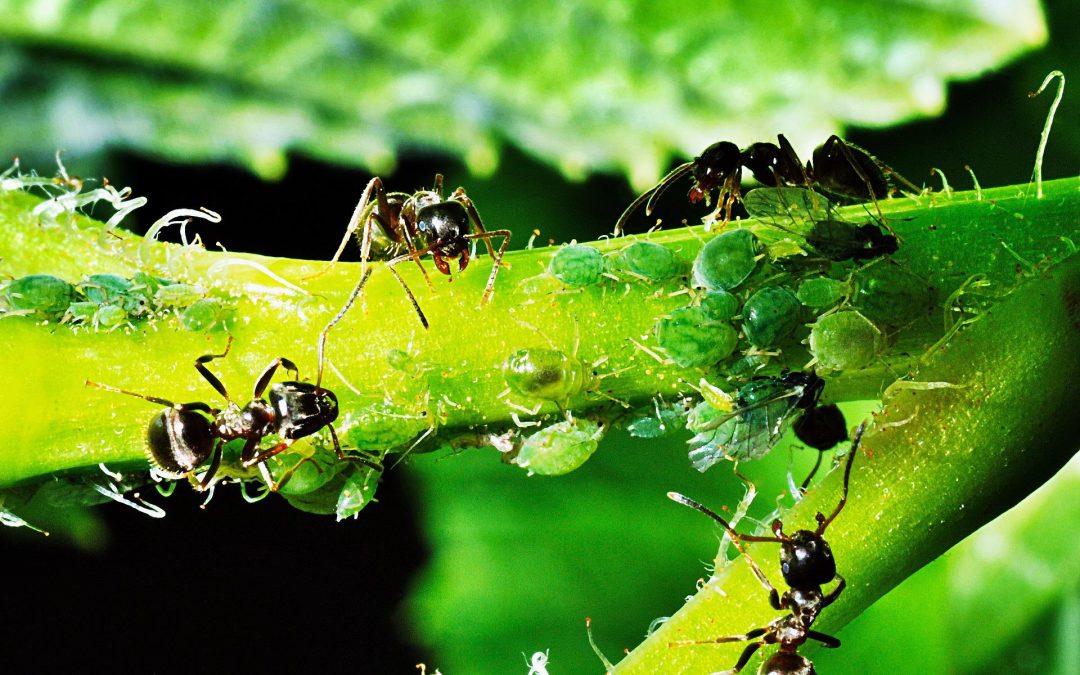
(807, 563)
(839, 169)
(421, 223)
(183, 436)
(821, 427)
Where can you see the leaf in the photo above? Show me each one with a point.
(586, 86)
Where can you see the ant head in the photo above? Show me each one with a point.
(445, 224)
(806, 560)
(713, 167)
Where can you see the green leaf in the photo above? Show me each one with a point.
(586, 86)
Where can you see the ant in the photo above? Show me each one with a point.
(421, 223)
(183, 436)
(807, 563)
(839, 169)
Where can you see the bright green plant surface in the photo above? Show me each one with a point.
(1008, 235)
(593, 85)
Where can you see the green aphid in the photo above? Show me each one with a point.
(576, 265)
(177, 296)
(658, 421)
(891, 296)
(380, 427)
(110, 316)
(546, 374)
(358, 491)
(207, 314)
(103, 288)
(648, 261)
(692, 339)
(43, 294)
(845, 340)
(821, 293)
(561, 447)
(720, 305)
(304, 471)
(770, 316)
(81, 312)
(726, 261)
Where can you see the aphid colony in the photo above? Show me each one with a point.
(107, 302)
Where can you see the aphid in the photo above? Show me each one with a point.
(845, 340)
(104, 288)
(840, 169)
(41, 294)
(692, 339)
(819, 293)
(765, 407)
(177, 296)
(560, 448)
(719, 305)
(647, 261)
(101, 317)
(207, 314)
(726, 261)
(577, 265)
(807, 564)
(889, 295)
(184, 436)
(770, 315)
(546, 374)
(423, 223)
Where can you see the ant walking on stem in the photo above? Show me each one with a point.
(183, 436)
(423, 223)
(807, 563)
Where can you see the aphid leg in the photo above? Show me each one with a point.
(209, 376)
(334, 321)
(823, 522)
(489, 290)
(362, 213)
(264, 379)
(405, 286)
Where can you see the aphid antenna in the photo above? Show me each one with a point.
(1045, 135)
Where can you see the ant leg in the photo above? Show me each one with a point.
(845, 150)
(334, 321)
(822, 521)
(460, 196)
(351, 458)
(835, 593)
(489, 290)
(825, 640)
(267, 454)
(736, 538)
(412, 298)
(209, 376)
(813, 472)
(362, 213)
(212, 470)
(438, 187)
(750, 635)
(264, 379)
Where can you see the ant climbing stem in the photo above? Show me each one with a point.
(420, 224)
(807, 563)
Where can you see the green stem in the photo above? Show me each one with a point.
(454, 381)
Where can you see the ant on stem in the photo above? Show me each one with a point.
(183, 436)
(421, 223)
(807, 563)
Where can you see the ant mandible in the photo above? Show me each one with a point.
(183, 436)
(839, 169)
(421, 223)
(807, 563)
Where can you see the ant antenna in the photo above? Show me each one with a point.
(334, 321)
(822, 521)
(651, 195)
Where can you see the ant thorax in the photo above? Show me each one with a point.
(805, 604)
(254, 419)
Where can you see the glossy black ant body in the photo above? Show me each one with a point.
(807, 564)
(183, 436)
(419, 224)
(822, 428)
(840, 170)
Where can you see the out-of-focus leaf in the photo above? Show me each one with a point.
(593, 85)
